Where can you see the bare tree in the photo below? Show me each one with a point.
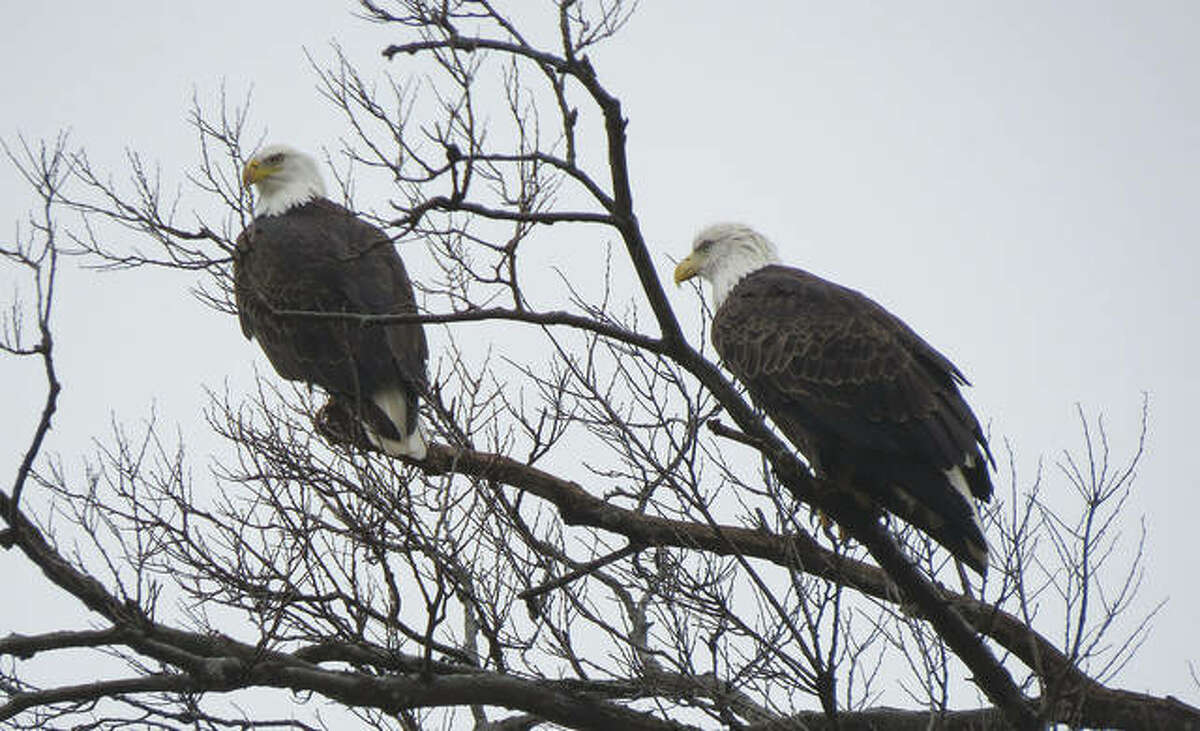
(607, 535)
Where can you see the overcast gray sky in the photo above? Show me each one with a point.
(1017, 180)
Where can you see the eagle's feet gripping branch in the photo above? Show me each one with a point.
(337, 425)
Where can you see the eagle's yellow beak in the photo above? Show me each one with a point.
(688, 268)
(255, 171)
(250, 174)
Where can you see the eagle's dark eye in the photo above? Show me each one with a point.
(274, 159)
(704, 245)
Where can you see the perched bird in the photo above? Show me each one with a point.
(305, 253)
(870, 405)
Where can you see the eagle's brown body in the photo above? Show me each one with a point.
(863, 397)
(319, 257)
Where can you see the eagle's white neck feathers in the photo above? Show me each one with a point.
(729, 251)
(294, 180)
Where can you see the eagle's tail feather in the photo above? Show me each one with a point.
(961, 536)
(412, 445)
(941, 506)
(402, 436)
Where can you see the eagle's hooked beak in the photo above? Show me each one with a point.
(688, 268)
(250, 173)
(256, 171)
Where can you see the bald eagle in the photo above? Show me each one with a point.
(303, 252)
(871, 405)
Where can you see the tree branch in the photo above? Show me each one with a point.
(622, 212)
(91, 692)
(1103, 708)
(217, 663)
(567, 319)
(800, 552)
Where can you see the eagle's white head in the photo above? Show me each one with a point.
(285, 178)
(722, 254)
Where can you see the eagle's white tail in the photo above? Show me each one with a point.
(394, 403)
(959, 481)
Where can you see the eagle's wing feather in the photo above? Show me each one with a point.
(373, 280)
(256, 270)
